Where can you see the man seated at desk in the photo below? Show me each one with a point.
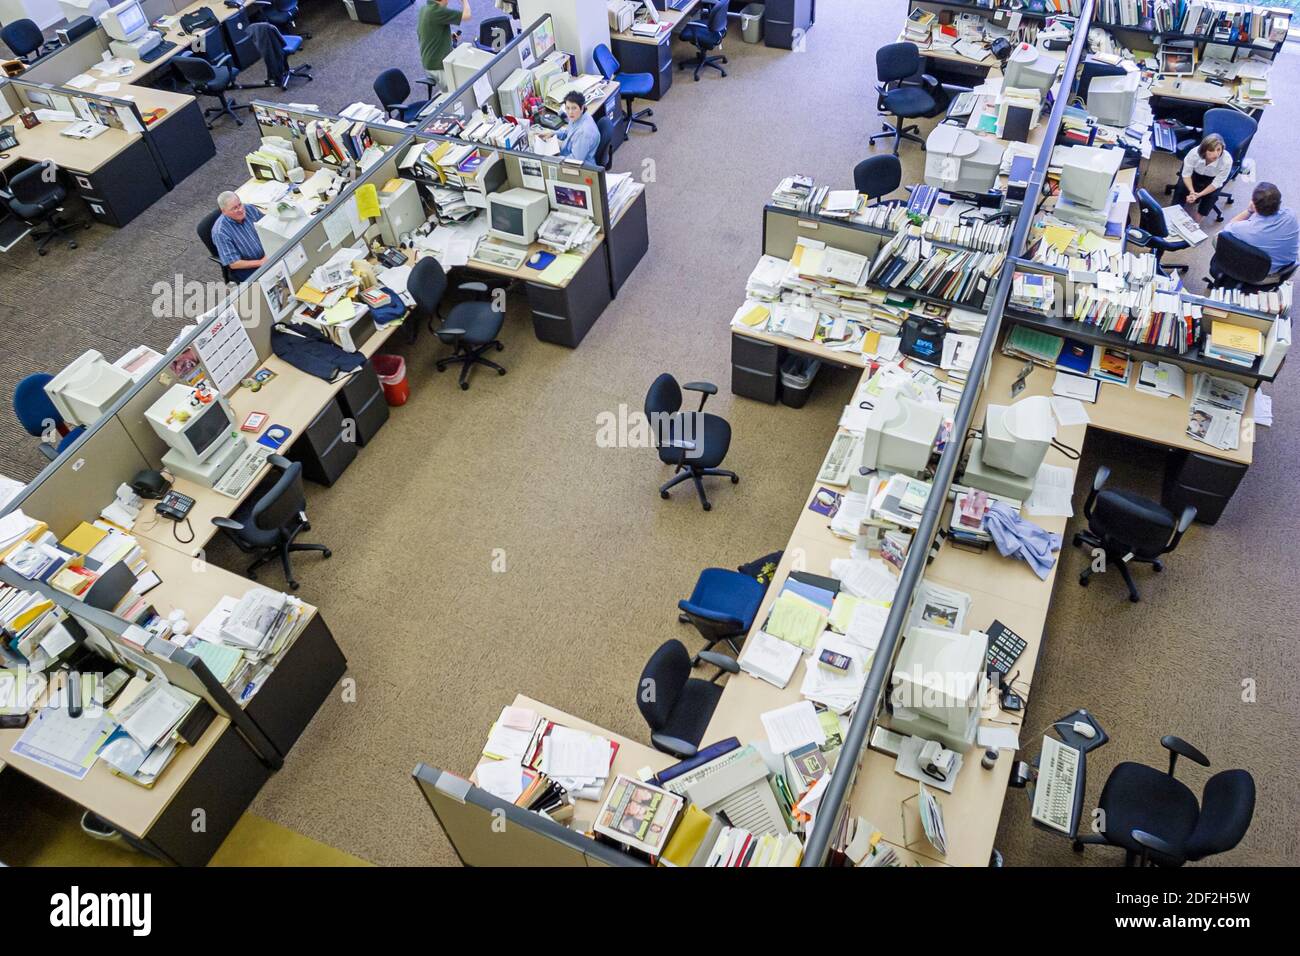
(1269, 227)
(234, 234)
(581, 140)
(433, 28)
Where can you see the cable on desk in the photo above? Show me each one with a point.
(176, 535)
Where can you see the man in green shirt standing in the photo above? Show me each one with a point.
(434, 30)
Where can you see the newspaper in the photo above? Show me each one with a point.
(1216, 410)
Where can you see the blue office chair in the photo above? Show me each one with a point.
(1237, 130)
(212, 79)
(271, 518)
(878, 176)
(722, 606)
(494, 33)
(694, 443)
(204, 230)
(392, 89)
(40, 419)
(1156, 819)
(897, 93)
(282, 14)
(706, 34)
(275, 49)
(26, 41)
(1152, 232)
(605, 146)
(630, 86)
(676, 706)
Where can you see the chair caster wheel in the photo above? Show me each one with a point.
(1157, 566)
(72, 245)
(1078, 540)
(1133, 599)
(663, 495)
(1076, 846)
(735, 479)
(464, 386)
(707, 506)
(501, 371)
(41, 252)
(683, 619)
(695, 661)
(1083, 582)
(293, 585)
(328, 553)
(500, 347)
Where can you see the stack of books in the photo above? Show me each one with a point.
(1273, 301)
(916, 28)
(794, 193)
(1033, 292)
(911, 263)
(1233, 343)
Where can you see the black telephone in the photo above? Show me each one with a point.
(390, 258)
(7, 138)
(174, 505)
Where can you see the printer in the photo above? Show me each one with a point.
(622, 14)
(958, 160)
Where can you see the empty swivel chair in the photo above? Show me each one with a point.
(1156, 819)
(470, 329)
(271, 518)
(40, 419)
(878, 176)
(1127, 528)
(1152, 231)
(494, 33)
(676, 706)
(897, 93)
(694, 443)
(36, 197)
(212, 79)
(1236, 264)
(274, 49)
(630, 86)
(392, 89)
(282, 14)
(706, 34)
(25, 39)
(722, 606)
(204, 230)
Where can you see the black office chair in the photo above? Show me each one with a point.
(36, 197)
(1237, 130)
(878, 176)
(1236, 264)
(268, 520)
(1152, 232)
(277, 47)
(1128, 527)
(282, 14)
(605, 147)
(897, 64)
(25, 39)
(1156, 819)
(471, 328)
(694, 443)
(212, 79)
(494, 33)
(706, 34)
(204, 229)
(630, 86)
(676, 706)
(392, 89)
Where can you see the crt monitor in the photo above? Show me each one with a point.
(1111, 98)
(934, 688)
(1088, 172)
(1017, 437)
(125, 22)
(959, 161)
(1029, 69)
(570, 197)
(900, 434)
(194, 431)
(85, 390)
(516, 214)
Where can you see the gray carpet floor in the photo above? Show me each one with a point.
(439, 639)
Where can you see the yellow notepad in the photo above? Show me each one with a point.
(1059, 237)
(563, 268)
(84, 538)
(795, 620)
(686, 839)
(755, 316)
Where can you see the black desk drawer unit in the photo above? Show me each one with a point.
(122, 188)
(785, 22)
(379, 11)
(565, 316)
(324, 448)
(1201, 480)
(362, 400)
(755, 369)
(653, 58)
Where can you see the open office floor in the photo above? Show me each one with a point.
(439, 638)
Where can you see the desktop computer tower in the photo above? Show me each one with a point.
(400, 211)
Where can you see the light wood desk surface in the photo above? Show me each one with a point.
(675, 19)
(292, 399)
(77, 155)
(141, 70)
(524, 273)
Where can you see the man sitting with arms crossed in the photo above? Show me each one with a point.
(434, 31)
(1268, 227)
(238, 245)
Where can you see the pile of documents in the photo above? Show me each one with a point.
(453, 243)
(1229, 342)
(1216, 410)
(836, 672)
(152, 721)
(564, 232)
(524, 749)
(621, 189)
(247, 637)
(495, 132)
(794, 193)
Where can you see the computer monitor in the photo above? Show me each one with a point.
(1030, 69)
(1017, 437)
(1111, 98)
(959, 160)
(900, 434)
(85, 390)
(934, 688)
(124, 22)
(570, 197)
(516, 214)
(203, 438)
(1088, 172)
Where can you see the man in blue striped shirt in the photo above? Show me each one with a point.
(238, 246)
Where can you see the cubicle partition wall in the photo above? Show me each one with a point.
(291, 122)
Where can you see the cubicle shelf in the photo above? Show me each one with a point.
(1093, 335)
(983, 8)
(1175, 37)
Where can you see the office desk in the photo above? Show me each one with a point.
(141, 70)
(653, 55)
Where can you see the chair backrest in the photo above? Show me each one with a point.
(204, 229)
(606, 62)
(36, 183)
(664, 397)
(662, 680)
(279, 506)
(285, 8)
(605, 155)
(1151, 217)
(392, 88)
(1227, 806)
(24, 37)
(1239, 260)
(427, 284)
(210, 44)
(897, 61)
(877, 176)
(33, 407)
(718, 19)
(1237, 130)
(1141, 525)
(495, 32)
(196, 71)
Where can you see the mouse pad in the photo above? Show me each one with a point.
(544, 259)
(275, 436)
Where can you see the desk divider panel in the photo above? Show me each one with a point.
(275, 119)
(65, 63)
(464, 100)
(782, 230)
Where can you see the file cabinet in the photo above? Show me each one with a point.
(362, 401)
(325, 447)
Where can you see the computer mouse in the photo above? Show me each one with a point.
(1084, 729)
(535, 258)
(276, 434)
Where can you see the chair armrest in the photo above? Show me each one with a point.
(930, 83)
(431, 85)
(721, 661)
(228, 524)
(1099, 479)
(49, 451)
(1185, 520)
(673, 745)
(472, 286)
(704, 388)
(394, 112)
(446, 331)
(279, 461)
(1149, 841)
(1178, 747)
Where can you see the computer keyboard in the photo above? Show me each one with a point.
(241, 474)
(1058, 773)
(164, 46)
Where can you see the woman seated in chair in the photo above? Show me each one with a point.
(1205, 169)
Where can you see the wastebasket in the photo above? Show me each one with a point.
(797, 374)
(391, 370)
(751, 23)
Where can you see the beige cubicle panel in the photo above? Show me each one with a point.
(782, 231)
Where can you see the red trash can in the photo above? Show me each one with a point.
(391, 370)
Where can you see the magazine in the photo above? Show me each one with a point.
(1216, 410)
(638, 815)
